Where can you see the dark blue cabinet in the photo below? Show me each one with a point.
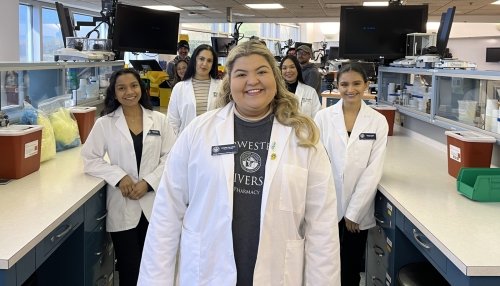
(78, 252)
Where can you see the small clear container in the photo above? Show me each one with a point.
(99, 45)
(77, 43)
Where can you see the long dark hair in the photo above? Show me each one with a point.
(191, 69)
(110, 102)
(297, 67)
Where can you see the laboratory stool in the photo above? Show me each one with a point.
(420, 274)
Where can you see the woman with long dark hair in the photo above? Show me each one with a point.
(197, 92)
(136, 141)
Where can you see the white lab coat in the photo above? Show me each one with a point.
(308, 99)
(193, 210)
(111, 136)
(182, 105)
(356, 164)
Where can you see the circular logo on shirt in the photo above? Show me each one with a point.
(250, 161)
(215, 149)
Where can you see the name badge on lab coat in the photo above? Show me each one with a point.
(224, 149)
(154, 132)
(368, 136)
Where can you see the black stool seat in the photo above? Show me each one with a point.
(420, 274)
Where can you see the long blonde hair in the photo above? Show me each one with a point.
(285, 104)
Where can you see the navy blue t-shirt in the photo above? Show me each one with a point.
(252, 139)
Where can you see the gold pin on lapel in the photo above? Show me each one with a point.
(273, 150)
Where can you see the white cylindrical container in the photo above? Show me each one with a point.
(391, 88)
(491, 104)
(491, 121)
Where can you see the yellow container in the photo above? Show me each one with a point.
(165, 96)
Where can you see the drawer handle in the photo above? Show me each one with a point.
(377, 280)
(378, 251)
(380, 221)
(66, 231)
(418, 239)
(102, 217)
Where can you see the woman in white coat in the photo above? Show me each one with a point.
(355, 137)
(247, 195)
(197, 92)
(136, 140)
(306, 95)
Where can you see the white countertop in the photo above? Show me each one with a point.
(416, 181)
(32, 207)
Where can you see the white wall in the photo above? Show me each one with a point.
(9, 30)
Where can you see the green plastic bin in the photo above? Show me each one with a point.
(479, 184)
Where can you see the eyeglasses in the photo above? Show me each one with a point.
(301, 52)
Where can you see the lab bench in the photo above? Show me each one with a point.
(52, 227)
(421, 217)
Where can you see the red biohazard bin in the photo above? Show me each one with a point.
(389, 112)
(85, 118)
(19, 150)
(468, 149)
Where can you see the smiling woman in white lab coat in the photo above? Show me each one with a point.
(306, 95)
(247, 196)
(136, 140)
(197, 92)
(355, 137)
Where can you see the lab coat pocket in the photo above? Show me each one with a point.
(363, 152)
(189, 258)
(293, 189)
(294, 263)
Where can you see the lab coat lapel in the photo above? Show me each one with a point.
(225, 135)
(279, 136)
(299, 92)
(147, 123)
(121, 125)
(338, 117)
(362, 121)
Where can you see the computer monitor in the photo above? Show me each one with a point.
(223, 46)
(149, 65)
(333, 53)
(444, 31)
(143, 30)
(493, 55)
(379, 33)
(65, 21)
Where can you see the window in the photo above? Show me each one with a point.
(51, 34)
(83, 29)
(25, 35)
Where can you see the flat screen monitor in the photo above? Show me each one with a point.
(444, 31)
(373, 33)
(148, 65)
(333, 53)
(65, 21)
(143, 30)
(223, 46)
(493, 55)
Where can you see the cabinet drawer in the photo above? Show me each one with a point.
(99, 260)
(95, 210)
(425, 246)
(50, 243)
(384, 212)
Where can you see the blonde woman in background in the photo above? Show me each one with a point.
(247, 196)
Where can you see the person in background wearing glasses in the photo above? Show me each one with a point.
(310, 72)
